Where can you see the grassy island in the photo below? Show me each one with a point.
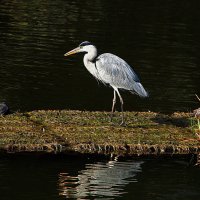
(71, 132)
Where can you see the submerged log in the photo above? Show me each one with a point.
(71, 132)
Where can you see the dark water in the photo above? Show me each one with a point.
(64, 178)
(159, 39)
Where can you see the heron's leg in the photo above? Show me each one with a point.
(113, 106)
(122, 109)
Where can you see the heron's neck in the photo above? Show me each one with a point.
(90, 61)
(91, 56)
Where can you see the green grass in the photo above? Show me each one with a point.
(195, 127)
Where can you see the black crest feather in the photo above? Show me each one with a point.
(85, 44)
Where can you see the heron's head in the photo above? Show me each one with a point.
(83, 47)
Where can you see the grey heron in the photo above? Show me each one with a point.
(112, 70)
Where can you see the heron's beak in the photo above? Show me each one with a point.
(76, 50)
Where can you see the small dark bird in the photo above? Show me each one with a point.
(3, 109)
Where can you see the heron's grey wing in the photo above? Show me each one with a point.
(116, 72)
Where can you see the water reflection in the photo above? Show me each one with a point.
(101, 180)
(56, 178)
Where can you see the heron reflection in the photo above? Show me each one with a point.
(105, 180)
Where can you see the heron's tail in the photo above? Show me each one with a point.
(139, 90)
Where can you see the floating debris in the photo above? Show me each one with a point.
(196, 113)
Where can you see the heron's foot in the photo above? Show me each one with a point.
(123, 123)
